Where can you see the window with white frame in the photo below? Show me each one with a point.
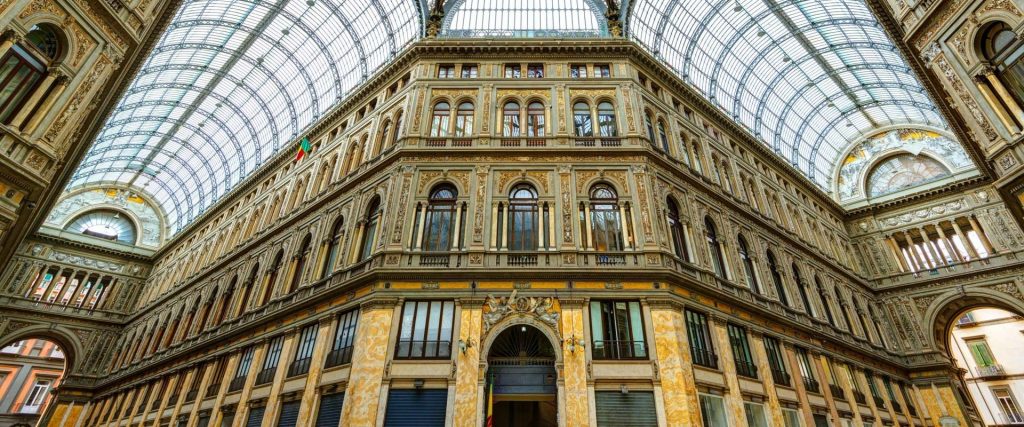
(755, 414)
(1007, 405)
(36, 396)
(791, 418)
(712, 411)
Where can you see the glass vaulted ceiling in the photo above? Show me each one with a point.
(229, 83)
(233, 80)
(807, 77)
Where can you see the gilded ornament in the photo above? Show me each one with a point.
(499, 308)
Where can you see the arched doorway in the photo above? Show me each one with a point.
(30, 369)
(986, 343)
(521, 368)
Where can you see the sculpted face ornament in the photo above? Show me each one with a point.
(499, 308)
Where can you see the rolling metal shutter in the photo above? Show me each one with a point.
(416, 408)
(255, 417)
(204, 421)
(820, 420)
(329, 414)
(633, 409)
(289, 414)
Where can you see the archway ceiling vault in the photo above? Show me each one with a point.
(232, 82)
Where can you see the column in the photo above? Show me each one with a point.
(504, 227)
(733, 397)
(1004, 95)
(894, 249)
(494, 226)
(948, 244)
(274, 402)
(364, 388)
(419, 228)
(982, 83)
(33, 99)
(963, 239)
(468, 382)
(551, 226)
(624, 223)
(458, 227)
(58, 90)
(540, 226)
(7, 39)
(574, 372)
(310, 394)
(914, 255)
(981, 235)
(588, 238)
(798, 383)
(847, 385)
(773, 407)
(360, 229)
(674, 364)
(927, 244)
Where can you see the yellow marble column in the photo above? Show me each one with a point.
(310, 394)
(208, 379)
(940, 399)
(797, 376)
(467, 374)
(574, 366)
(58, 90)
(764, 370)
(274, 401)
(678, 388)
(184, 378)
(242, 411)
(369, 359)
(726, 362)
(825, 375)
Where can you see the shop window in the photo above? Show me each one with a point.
(617, 329)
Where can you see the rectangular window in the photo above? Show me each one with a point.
(618, 330)
(1008, 406)
(806, 370)
(341, 350)
(36, 396)
(535, 71)
(578, 71)
(446, 71)
(513, 71)
(469, 71)
(603, 71)
(270, 363)
(712, 411)
(304, 352)
(981, 352)
(741, 351)
(773, 349)
(790, 417)
(873, 388)
(702, 347)
(755, 414)
(244, 363)
(426, 330)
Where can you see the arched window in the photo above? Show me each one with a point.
(606, 120)
(663, 137)
(46, 40)
(104, 224)
(464, 120)
(243, 305)
(780, 288)
(1000, 47)
(440, 219)
(605, 218)
(332, 246)
(675, 229)
(523, 219)
(370, 229)
(903, 171)
(582, 122)
(225, 300)
(803, 290)
(535, 120)
(510, 120)
(748, 264)
(397, 132)
(301, 260)
(824, 302)
(439, 123)
(650, 129)
(382, 138)
(275, 269)
(714, 247)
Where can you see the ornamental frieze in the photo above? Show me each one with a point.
(525, 93)
(499, 308)
(921, 214)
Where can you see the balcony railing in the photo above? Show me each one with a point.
(266, 376)
(912, 410)
(705, 358)
(522, 260)
(879, 402)
(339, 356)
(599, 142)
(610, 259)
(746, 369)
(423, 350)
(620, 349)
(989, 371)
(780, 377)
(173, 400)
(236, 384)
(191, 395)
(859, 397)
(299, 367)
(434, 260)
(212, 389)
(811, 385)
(896, 406)
(837, 392)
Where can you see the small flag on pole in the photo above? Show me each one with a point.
(303, 149)
(490, 405)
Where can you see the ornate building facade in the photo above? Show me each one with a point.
(495, 222)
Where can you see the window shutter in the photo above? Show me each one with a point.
(416, 408)
(289, 414)
(329, 414)
(633, 409)
(255, 417)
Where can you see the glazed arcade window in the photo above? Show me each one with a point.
(605, 219)
(618, 330)
(675, 227)
(1008, 405)
(748, 264)
(344, 337)
(806, 370)
(304, 351)
(440, 219)
(446, 71)
(523, 224)
(513, 71)
(776, 362)
(20, 72)
(755, 414)
(370, 229)
(244, 363)
(425, 331)
(702, 347)
(271, 361)
(714, 247)
(582, 122)
(741, 351)
(510, 120)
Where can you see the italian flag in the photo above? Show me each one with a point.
(490, 405)
(303, 149)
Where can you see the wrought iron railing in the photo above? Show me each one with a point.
(619, 349)
(990, 371)
(339, 356)
(434, 260)
(780, 377)
(299, 366)
(212, 389)
(859, 397)
(607, 259)
(879, 402)
(705, 358)
(837, 392)
(191, 395)
(746, 369)
(236, 384)
(266, 376)
(811, 385)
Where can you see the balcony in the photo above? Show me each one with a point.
(860, 398)
(879, 402)
(236, 384)
(619, 350)
(837, 392)
(599, 142)
(521, 260)
(989, 371)
(811, 385)
(434, 260)
(299, 367)
(705, 358)
(266, 376)
(780, 377)
(191, 395)
(746, 369)
(339, 356)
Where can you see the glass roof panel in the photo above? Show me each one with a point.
(524, 18)
(807, 77)
(229, 84)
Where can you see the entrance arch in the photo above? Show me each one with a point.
(31, 370)
(523, 365)
(947, 308)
